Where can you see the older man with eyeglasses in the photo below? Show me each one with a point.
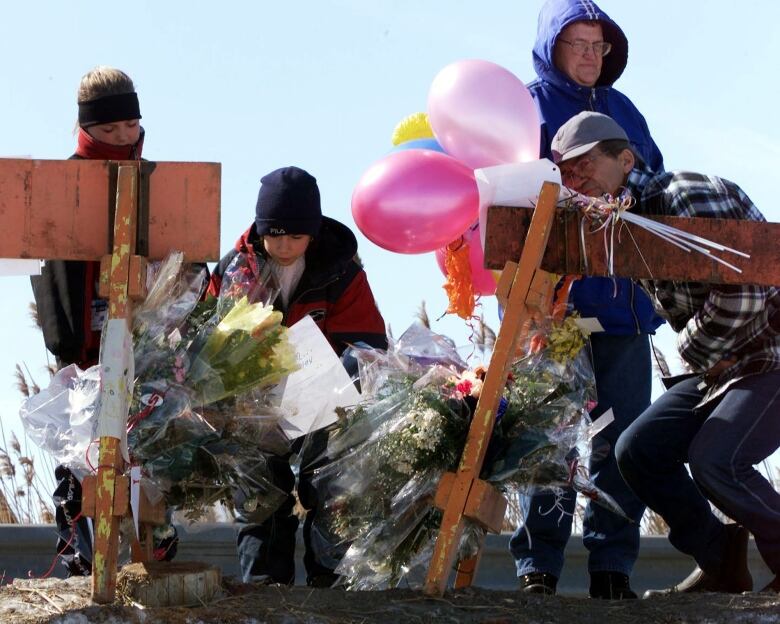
(579, 53)
(722, 420)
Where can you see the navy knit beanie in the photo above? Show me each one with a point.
(288, 203)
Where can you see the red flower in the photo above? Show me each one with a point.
(464, 387)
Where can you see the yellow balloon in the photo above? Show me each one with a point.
(415, 126)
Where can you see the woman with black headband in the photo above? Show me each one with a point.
(69, 310)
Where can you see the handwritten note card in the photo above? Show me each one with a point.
(311, 394)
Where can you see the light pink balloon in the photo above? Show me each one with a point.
(482, 280)
(415, 201)
(483, 115)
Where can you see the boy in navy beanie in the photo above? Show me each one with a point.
(313, 260)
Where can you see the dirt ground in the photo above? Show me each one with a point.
(67, 602)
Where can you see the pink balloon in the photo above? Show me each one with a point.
(415, 201)
(483, 115)
(482, 280)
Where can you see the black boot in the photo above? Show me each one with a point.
(610, 586)
(733, 577)
(538, 583)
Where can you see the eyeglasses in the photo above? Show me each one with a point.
(580, 46)
(579, 168)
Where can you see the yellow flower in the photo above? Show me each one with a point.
(284, 357)
(249, 317)
(565, 340)
(247, 349)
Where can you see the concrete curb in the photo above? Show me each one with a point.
(31, 547)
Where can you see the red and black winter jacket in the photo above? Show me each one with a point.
(333, 289)
(66, 289)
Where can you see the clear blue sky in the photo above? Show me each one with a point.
(321, 84)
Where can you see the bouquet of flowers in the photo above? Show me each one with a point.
(547, 407)
(217, 348)
(387, 455)
(386, 459)
(544, 438)
(200, 424)
(246, 349)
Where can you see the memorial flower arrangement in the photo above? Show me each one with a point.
(387, 458)
(388, 455)
(199, 424)
(202, 428)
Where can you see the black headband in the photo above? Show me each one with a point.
(109, 108)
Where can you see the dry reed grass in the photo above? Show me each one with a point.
(25, 493)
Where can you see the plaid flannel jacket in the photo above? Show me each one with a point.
(712, 321)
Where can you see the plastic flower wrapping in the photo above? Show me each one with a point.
(200, 423)
(544, 425)
(386, 456)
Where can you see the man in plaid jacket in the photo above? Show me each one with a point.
(724, 417)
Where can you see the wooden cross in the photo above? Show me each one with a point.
(120, 213)
(545, 239)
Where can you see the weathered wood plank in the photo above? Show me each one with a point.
(113, 412)
(62, 209)
(507, 228)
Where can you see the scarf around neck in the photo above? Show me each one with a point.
(89, 147)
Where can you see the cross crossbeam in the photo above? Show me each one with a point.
(638, 253)
(64, 209)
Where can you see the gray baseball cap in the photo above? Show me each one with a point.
(582, 133)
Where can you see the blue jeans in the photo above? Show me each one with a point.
(721, 442)
(623, 382)
(268, 549)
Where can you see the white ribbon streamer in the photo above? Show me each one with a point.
(613, 213)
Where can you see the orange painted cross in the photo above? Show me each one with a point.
(120, 213)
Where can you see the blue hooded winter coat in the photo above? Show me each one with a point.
(620, 305)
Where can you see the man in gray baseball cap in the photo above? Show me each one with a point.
(722, 420)
(582, 143)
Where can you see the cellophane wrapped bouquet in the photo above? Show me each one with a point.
(200, 424)
(388, 455)
(550, 393)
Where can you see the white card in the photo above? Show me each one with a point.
(598, 425)
(512, 184)
(589, 325)
(311, 394)
(117, 369)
